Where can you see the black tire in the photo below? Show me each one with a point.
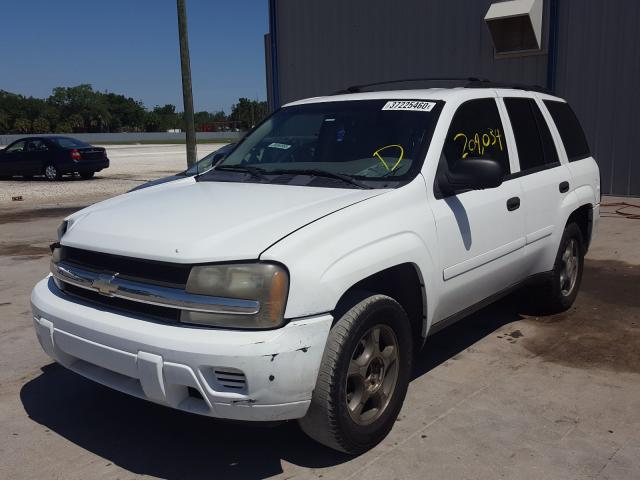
(329, 419)
(52, 173)
(553, 294)
(87, 175)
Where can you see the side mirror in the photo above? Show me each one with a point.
(471, 174)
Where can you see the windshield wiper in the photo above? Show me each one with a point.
(255, 172)
(319, 173)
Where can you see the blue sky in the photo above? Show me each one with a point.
(131, 47)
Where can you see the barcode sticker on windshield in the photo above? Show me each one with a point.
(283, 146)
(409, 106)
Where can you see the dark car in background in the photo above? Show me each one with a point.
(204, 164)
(53, 157)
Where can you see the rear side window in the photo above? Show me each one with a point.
(575, 142)
(536, 149)
(476, 132)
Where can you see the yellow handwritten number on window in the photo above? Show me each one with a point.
(386, 166)
(478, 143)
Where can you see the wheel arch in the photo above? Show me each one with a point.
(583, 217)
(404, 283)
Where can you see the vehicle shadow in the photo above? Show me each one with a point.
(149, 439)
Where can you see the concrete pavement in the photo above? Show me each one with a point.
(499, 395)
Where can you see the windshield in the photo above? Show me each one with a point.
(363, 143)
(202, 165)
(206, 162)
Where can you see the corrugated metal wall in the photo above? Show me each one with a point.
(324, 46)
(598, 72)
(328, 45)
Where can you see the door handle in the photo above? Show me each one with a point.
(563, 187)
(513, 203)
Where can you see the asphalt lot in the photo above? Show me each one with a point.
(499, 395)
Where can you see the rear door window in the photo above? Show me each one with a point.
(536, 149)
(573, 138)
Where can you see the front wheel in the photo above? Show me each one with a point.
(363, 377)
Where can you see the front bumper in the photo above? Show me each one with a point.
(240, 375)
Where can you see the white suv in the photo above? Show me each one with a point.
(296, 279)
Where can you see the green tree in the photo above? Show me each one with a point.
(4, 122)
(77, 122)
(41, 125)
(248, 112)
(64, 127)
(81, 108)
(22, 125)
(152, 122)
(126, 113)
(84, 101)
(167, 117)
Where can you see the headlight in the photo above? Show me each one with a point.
(265, 283)
(62, 229)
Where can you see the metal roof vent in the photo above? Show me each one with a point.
(515, 25)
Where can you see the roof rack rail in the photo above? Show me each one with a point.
(358, 88)
(471, 82)
(516, 86)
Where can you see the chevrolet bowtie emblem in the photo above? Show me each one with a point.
(104, 286)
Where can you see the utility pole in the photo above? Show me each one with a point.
(187, 94)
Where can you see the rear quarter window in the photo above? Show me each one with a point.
(573, 138)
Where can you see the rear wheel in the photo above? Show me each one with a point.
(87, 175)
(559, 289)
(363, 377)
(52, 173)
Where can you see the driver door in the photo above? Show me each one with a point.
(480, 232)
(35, 157)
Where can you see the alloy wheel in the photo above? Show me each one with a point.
(51, 172)
(570, 266)
(372, 375)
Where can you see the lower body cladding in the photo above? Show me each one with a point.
(241, 375)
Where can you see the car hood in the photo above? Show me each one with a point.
(196, 222)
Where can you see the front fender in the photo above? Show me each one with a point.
(329, 256)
